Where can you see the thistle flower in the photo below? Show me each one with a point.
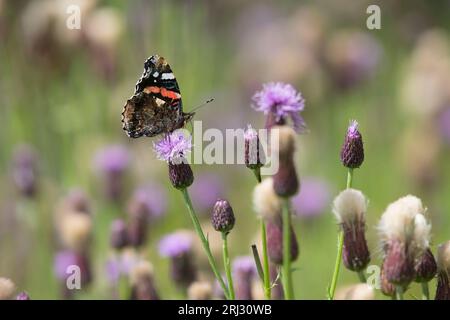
(142, 282)
(285, 181)
(279, 101)
(266, 203)
(174, 148)
(25, 171)
(425, 265)
(352, 152)
(443, 264)
(274, 230)
(76, 200)
(118, 234)
(23, 296)
(360, 291)
(254, 155)
(206, 189)
(312, 199)
(200, 290)
(112, 162)
(401, 241)
(387, 288)
(66, 258)
(7, 289)
(222, 218)
(350, 207)
(75, 231)
(149, 200)
(178, 247)
(244, 270)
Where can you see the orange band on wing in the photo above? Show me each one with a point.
(170, 94)
(151, 89)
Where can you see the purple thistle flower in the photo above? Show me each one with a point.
(173, 148)
(150, 200)
(244, 270)
(313, 199)
(63, 260)
(281, 100)
(113, 270)
(444, 121)
(244, 264)
(112, 159)
(352, 152)
(205, 190)
(175, 244)
(23, 296)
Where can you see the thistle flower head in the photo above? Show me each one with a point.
(149, 201)
(141, 270)
(7, 289)
(350, 206)
(281, 100)
(173, 148)
(23, 296)
(313, 198)
(275, 246)
(77, 200)
(112, 159)
(244, 264)
(118, 234)
(352, 152)
(266, 203)
(142, 283)
(425, 267)
(222, 218)
(443, 257)
(75, 230)
(64, 259)
(200, 290)
(175, 244)
(254, 156)
(206, 189)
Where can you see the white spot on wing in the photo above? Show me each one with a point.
(167, 76)
(155, 74)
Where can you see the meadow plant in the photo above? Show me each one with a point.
(443, 264)
(142, 282)
(244, 272)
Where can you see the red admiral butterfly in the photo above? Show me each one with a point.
(156, 106)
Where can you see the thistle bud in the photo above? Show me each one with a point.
(285, 181)
(23, 296)
(274, 229)
(7, 289)
(200, 290)
(443, 264)
(178, 247)
(425, 267)
(254, 156)
(180, 175)
(244, 271)
(350, 207)
(118, 235)
(352, 152)
(142, 282)
(403, 237)
(222, 218)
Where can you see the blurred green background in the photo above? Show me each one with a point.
(62, 93)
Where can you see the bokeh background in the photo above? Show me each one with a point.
(62, 93)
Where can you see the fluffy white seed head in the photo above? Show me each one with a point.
(350, 205)
(361, 291)
(422, 231)
(7, 289)
(200, 290)
(443, 257)
(266, 203)
(75, 230)
(286, 140)
(141, 271)
(399, 219)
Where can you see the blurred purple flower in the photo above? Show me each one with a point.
(150, 200)
(205, 190)
(121, 265)
(173, 148)
(444, 121)
(112, 159)
(24, 170)
(313, 199)
(244, 264)
(175, 244)
(281, 100)
(23, 296)
(113, 270)
(63, 260)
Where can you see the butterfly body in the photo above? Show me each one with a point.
(156, 106)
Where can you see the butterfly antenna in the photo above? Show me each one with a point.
(202, 105)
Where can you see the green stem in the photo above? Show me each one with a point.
(287, 274)
(226, 262)
(361, 276)
(399, 292)
(267, 284)
(425, 291)
(337, 265)
(205, 243)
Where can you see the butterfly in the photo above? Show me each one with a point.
(155, 107)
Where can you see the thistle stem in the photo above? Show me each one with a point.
(287, 274)
(205, 243)
(361, 276)
(267, 284)
(425, 291)
(337, 265)
(399, 292)
(226, 262)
